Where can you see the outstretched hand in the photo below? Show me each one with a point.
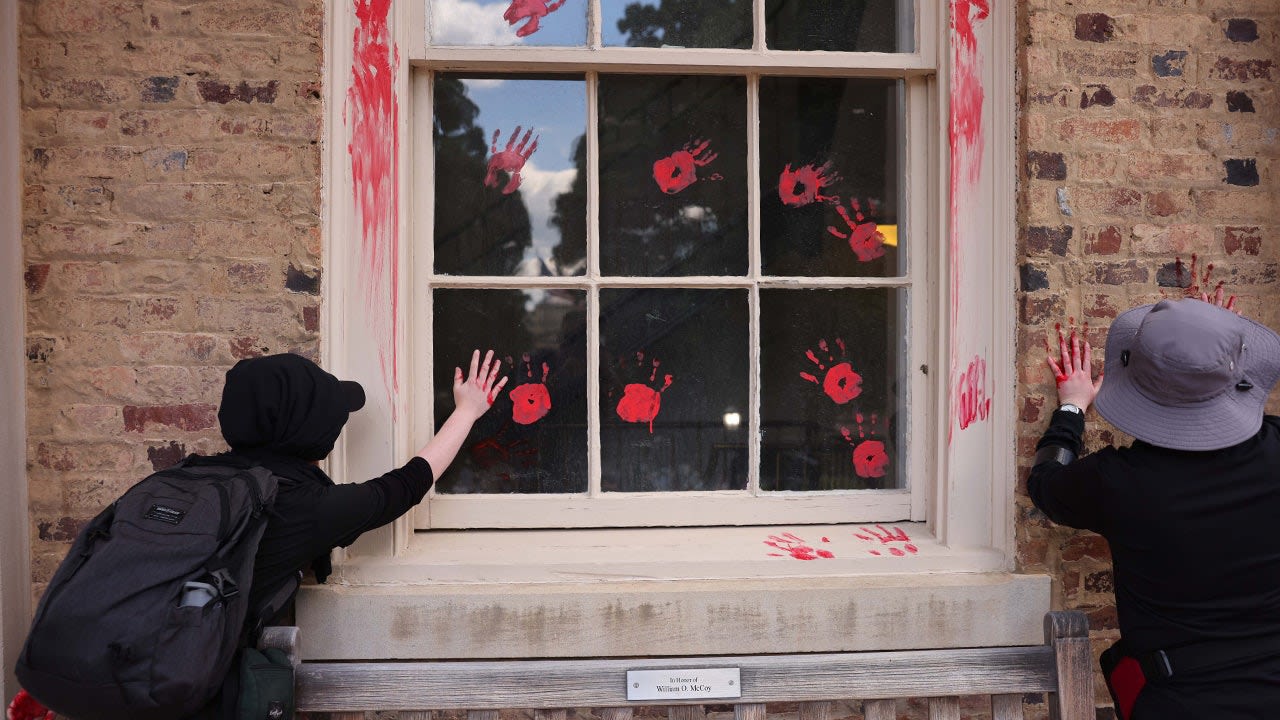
(476, 393)
(1216, 299)
(1073, 371)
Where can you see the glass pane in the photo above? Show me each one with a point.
(510, 181)
(534, 439)
(841, 25)
(677, 23)
(508, 22)
(829, 175)
(831, 363)
(673, 191)
(674, 368)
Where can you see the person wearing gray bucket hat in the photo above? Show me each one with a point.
(1188, 509)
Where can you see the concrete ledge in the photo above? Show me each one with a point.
(672, 617)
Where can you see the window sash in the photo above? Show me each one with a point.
(919, 147)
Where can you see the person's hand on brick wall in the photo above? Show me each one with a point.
(1073, 371)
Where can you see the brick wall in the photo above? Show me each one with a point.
(171, 161)
(1148, 142)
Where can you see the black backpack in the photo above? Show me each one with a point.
(142, 619)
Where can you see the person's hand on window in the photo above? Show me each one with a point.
(474, 395)
(1073, 371)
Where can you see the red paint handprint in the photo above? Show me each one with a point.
(640, 403)
(897, 540)
(531, 402)
(1194, 286)
(803, 186)
(530, 11)
(865, 240)
(25, 707)
(503, 456)
(840, 383)
(510, 160)
(795, 547)
(869, 456)
(972, 403)
(679, 170)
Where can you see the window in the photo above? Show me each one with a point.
(701, 247)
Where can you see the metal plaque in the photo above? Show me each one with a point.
(684, 684)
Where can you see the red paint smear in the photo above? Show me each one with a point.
(972, 403)
(796, 547)
(510, 159)
(966, 138)
(530, 11)
(803, 186)
(25, 707)
(679, 170)
(374, 149)
(531, 401)
(841, 383)
(865, 239)
(897, 538)
(641, 403)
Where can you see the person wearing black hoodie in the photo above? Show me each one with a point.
(285, 413)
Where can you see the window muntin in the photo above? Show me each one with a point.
(769, 492)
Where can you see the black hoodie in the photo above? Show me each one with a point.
(284, 412)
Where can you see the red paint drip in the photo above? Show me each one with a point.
(972, 403)
(796, 547)
(510, 159)
(531, 13)
(679, 170)
(374, 149)
(803, 186)
(641, 403)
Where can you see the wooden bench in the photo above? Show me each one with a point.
(1062, 668)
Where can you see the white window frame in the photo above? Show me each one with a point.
(960, 482)
(918, 149)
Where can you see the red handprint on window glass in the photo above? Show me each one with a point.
(897, 540)
(840, 382)
(679, 170)
(803, 186)
(869, 456)
(865, 240)
(531, 11)
(510, 160)
(796, 547)
(531, 402)
(640, 402)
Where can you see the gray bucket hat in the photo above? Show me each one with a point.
(1188, 375)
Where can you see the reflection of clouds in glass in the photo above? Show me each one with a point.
(539, 189)
(465, 22)
(482, 83)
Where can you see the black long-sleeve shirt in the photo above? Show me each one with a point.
(311, 518)
(1194, 536)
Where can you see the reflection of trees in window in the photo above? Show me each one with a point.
(688, 23)
(835, 25)
(478, 230)
(570, 217)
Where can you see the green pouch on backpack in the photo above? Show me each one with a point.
(266, 685)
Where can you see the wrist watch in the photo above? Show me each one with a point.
(1071, 408)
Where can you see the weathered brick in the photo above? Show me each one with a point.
(1033, 278)
(1239, 101)
(1242, 172)
(1104, 240)
(1046, 165)
(1168, 203)
(1094, 27)
(1242, 239)
(223, 93)
(188, 417)
(1179, 98)
(1242, 30)
(1242, 70)
(1099, 95)
(1052, 240)
(1121, 273)
(1169, 64)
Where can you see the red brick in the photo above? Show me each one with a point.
(1104, 240)
(189, 417)
(1246, 239)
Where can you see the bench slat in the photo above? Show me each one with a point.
(944, 708)
(1004, 707)
(880, 709)
(534, 684)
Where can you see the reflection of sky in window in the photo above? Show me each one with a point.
(557, 112)
(611, 11)
(481, 22)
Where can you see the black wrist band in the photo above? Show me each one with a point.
(1054, 453)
